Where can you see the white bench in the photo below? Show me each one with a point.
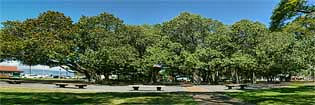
(136, 87)
(14, 81)
(81, 86)
(62, 85)
(242, 86)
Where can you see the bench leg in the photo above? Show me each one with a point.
(242, 87)
(135, 88)
(158, 88)
(12, 82)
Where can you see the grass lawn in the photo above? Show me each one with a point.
(9, 96)
(293, 95)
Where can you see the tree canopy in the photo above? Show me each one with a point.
(288, 9)
(203, 49)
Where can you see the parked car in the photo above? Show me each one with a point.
(183, 78)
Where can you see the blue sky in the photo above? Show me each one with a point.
(142, 11)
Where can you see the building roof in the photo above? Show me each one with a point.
(9, 69)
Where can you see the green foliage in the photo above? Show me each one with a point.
(287, 9)
(273, 53)
(33, 40)
(189, 45)
(189, 29)
(301, 27)
(246, 35)
(301, 95)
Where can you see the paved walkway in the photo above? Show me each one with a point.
(203, 94)
(93, 88)
(107, 88)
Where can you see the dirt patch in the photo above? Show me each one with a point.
(216, 99)
(196, 89)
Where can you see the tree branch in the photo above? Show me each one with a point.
(304, 11)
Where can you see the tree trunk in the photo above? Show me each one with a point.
(288, 79)
(232, 75)
(154, 75)
(254, 78)
(204, 76)
(88, 76)
(209, 75)
(196, 77)
(237, 78)
(217, 76)
(97, 77)
(106, 76)
(214, 78)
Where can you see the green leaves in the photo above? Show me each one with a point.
(286, 10)
(243, 61)
(246, 34)
(303, 27)
(30, 40)
(188, 45)
(189, 29)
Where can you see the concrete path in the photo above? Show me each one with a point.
(93, 88)
(203, 94)
(107, 88)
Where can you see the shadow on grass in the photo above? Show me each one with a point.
(303, 95)
(216, 98)
(9, 98)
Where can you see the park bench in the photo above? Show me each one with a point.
(14, 81)
(62, 85)
(81, 86)
(136, 87)
(242, 86)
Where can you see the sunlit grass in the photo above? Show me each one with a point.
(293, 95)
